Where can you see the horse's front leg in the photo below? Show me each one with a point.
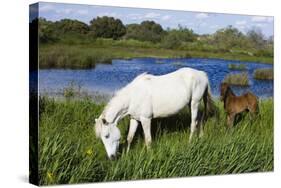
(194, 111)
(146, 125)
(132, 130)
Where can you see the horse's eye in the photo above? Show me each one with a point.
(107, 136)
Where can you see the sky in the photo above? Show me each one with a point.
(199, 22)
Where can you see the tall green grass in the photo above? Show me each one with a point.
(75, 53)
(70, 152)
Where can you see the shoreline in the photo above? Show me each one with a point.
(88, 56)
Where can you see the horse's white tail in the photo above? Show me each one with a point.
(210, 108)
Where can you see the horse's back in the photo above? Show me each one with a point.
(167, 94)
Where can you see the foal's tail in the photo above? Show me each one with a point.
(210, 108)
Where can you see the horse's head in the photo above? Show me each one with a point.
(223, 88)
(109, 134)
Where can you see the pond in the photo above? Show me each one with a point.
(108, 78)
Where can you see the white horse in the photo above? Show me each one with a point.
(149, 96)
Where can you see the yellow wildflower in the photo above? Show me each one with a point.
(50, 176)
(89, 152)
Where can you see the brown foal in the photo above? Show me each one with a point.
(234, 105)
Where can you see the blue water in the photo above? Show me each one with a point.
(109, 78)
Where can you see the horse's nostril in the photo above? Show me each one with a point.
(112, 157)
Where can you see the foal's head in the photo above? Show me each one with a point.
(224, 88)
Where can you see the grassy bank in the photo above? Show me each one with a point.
(70, 152)
(88, 54)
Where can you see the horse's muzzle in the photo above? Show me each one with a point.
(112, 157)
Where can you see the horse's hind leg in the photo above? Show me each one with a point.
(146, 125)
(194, 111)
(132, 130)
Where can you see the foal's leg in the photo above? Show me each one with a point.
(194, 111)
(132, 131)
(254, 111)
(146, 125)
(230, 120)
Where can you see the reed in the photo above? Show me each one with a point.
(237, 67)
(240, 79)
(263, 74)
(69, 152)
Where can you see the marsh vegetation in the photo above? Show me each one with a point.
(70, 153)
(237, 66)
(73, 44)
(263, 74)
(240, 79)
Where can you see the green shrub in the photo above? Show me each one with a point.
(107, 27)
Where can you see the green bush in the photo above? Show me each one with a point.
(177, 37)
(107, 27)
(146, 31)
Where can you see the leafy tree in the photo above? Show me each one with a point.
(132, 31)
(228, 38)
(71, 26)
(256, 38)
(146, 31)
(46, 31)
(270, 40)
(107, 27)
(176, 37)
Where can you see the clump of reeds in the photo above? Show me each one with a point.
(240, 79)
(237, 66)
(263, 74)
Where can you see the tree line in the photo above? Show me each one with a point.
(225, 39)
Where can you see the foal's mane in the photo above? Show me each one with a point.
(228, 93)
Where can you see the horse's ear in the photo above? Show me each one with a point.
(96, 120)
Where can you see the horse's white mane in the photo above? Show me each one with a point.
(123, 91)
(122, 94)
